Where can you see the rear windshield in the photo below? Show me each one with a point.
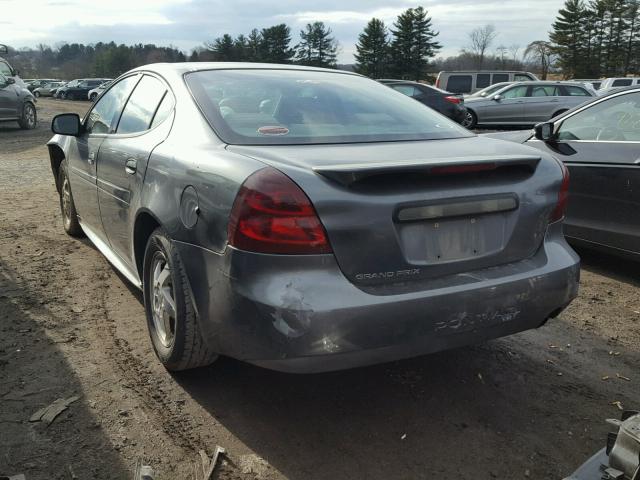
(294, 107)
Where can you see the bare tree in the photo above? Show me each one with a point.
(481, 39)
(501, 53)
(514, 50)
(540, 53)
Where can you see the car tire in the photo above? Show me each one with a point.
(36, 94)
(29, 118)
(470, 119)
(67, 205)
(63, 95)
(171, 318)
(93, 97)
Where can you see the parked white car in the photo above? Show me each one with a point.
(96, 92)
(617, 82)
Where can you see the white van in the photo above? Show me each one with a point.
(468, 81)
(618, 82)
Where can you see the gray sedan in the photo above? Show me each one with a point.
(309, 220)
(17, 104)
(525, 103)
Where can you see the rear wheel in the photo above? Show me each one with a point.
(29, 118)
(470, 119)
(36, 94)
(63, 95)
(173, 324)
(67, 206)
(93, 97)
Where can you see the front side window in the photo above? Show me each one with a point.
(294, 107)
(614, 119)
(459, 83)
(515, 92)
(103, 117)
(142, 104)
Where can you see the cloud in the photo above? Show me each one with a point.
(188, 23)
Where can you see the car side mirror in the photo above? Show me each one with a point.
(497, 98)
(544, 131)
(67, 124)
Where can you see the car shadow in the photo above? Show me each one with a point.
(35, 373)
(477, 412)
(621, 269)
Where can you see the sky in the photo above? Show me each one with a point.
(188, 23)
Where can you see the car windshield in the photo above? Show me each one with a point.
(293, 107)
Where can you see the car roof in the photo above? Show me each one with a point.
(181, 68)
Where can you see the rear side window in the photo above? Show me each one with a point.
(622, 82)
(573, 91)
(500, 77)
(408, 90)
(545, 91)
(142, 105)
(164, 110)
(520, 77)
(483, 80)
(459, 84)
(103, 117)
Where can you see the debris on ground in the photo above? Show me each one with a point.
(48, 414)
(143, 472)
(618, 404)
(605, 378)
(253, 464)
(622, 377)
(209, 466)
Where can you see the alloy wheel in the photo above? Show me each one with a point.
(66, 202)
(163, 303)
(30, 115)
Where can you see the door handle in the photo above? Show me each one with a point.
(131, 166)
(92, 158)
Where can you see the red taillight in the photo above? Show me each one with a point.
(452, 99)
(563, 195)
(438, 82)
(454, 169)
(271, 214)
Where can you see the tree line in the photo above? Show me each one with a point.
(596, 39)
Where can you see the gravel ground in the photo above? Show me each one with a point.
(529, 406)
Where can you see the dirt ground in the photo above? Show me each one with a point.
(529, 406)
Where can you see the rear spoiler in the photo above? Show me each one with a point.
(348, 173)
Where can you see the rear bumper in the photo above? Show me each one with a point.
(300, 314)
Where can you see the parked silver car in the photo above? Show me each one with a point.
(96, 92)
(308, 220)
(48, 90)
(525, 103)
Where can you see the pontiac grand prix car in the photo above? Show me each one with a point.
(309, 220)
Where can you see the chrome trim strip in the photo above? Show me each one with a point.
(111, 256)
(457, 209)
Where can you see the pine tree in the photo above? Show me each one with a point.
(413, 43)
(254, 44)
(372, 50)
(275, 44)
(568, 38)
(317, 47)
(223, 48)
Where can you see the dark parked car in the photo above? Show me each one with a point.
(17, 104)
(309, 220)
(600, 144)
(448, 104)
(79, 89)
(40, 83)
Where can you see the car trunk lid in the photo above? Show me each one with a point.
(397, 212)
